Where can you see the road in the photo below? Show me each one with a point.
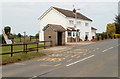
(94, 60)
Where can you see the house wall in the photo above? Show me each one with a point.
(55, 17)
(52, 17)
(82, 27)
(93, 32)
(49, 32)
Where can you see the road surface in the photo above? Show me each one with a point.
(94, 60)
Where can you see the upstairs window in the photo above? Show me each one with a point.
(86, 24)
(71, 22)
(78, 23)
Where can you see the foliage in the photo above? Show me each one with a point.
(117, 35)
(19, 35)
(37, 36)
(111, 29)
(117, 23)
(7, 29)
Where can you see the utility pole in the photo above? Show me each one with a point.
(24, 36)
(75, 25)
(24, 40)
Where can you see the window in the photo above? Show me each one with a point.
(71, 22)
(69, 34)
(73, 34)
(86, 24)
(78, 23)
(49, 36)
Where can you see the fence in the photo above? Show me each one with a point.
(25, 47)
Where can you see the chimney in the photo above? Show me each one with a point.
(74, 10)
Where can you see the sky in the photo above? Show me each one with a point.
(23, 16)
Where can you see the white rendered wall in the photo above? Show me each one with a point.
(82, 27)
(93, 32)
(53, 17)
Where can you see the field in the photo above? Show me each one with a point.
(6, 59)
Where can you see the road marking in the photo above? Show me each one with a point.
(19, 63)
(69, 60)
(107, 49)
(80, 60)
(73, 55)
(78, 57)
(58, 64)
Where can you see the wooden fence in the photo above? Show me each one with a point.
(25, 47)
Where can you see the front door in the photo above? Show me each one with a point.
(59, 35)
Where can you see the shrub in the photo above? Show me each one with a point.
(117, 35)
(93, 37)
(98, 37)
(7, 29)
(86, 38)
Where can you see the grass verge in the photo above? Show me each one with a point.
(6, 59)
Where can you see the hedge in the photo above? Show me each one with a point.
(117, 35)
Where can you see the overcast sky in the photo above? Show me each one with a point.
(23, 16)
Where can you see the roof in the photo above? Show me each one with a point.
(93, 28)
(57, 28)
(71, 14)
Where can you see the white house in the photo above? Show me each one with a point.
(76, 24)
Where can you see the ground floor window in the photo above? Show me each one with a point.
(69, 34)
(73, 34)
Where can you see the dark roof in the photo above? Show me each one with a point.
(69, 13)
(93, 28)
(55, 27)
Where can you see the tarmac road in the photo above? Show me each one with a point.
(94, 60)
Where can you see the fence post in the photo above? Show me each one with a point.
(44, 45)
(26, 48)
(37, 46)
(11, 50)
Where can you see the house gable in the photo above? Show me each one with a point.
(51, 8)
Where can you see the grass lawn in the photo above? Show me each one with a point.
(6, 59)
(6, 49)
(27, 39)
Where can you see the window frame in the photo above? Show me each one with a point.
(71, 22)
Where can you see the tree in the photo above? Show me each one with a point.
(111, 29)
(19, 35)
(117, 23)
(7, 29)
(37, 36)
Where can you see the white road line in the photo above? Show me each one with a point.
(80, 60)
(107, 49)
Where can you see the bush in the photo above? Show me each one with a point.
(98, 37)
(117, 35)
(86, 38)
(93, 37)
(7, 29)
